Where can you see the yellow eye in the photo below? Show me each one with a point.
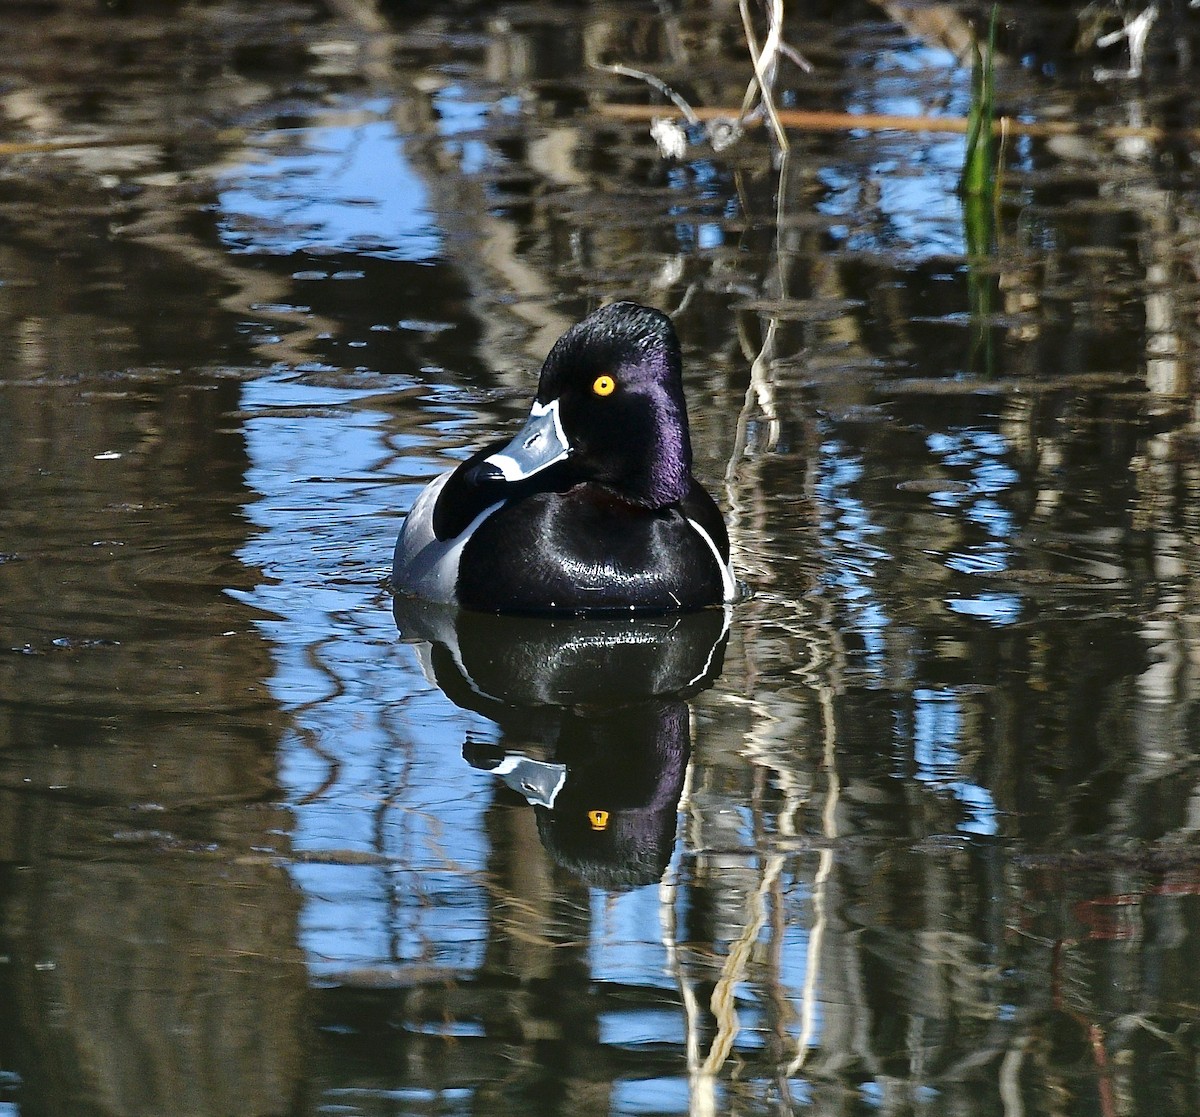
(604, 385)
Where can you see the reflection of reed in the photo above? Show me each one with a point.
(760, 399)
(825, 862)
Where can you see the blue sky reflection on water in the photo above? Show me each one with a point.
(908, 199)
(387, 816)
(849, 529)
(373, 762)
(459, 116)
(979, 457)
(937, 733)
(342, 185)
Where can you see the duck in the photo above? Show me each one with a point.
(591, 509)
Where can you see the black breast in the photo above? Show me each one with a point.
(586, 551)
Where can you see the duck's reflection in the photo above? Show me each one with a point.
(594, 722)
(606, 803)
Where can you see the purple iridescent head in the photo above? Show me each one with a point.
(615, 383)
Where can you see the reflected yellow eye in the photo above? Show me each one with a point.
(604, 385)
(598, 819)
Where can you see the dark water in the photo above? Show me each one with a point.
(911, 830)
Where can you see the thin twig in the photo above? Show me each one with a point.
(663, 88)
(801, 120)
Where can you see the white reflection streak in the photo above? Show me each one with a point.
(723, 1004)
(668, 892)
(816, 935)
(760, 393)
(724, 996)
(1010, 1079)
(761, 389)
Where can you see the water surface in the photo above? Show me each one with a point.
(908, 830)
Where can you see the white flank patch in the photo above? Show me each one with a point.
(729, 587)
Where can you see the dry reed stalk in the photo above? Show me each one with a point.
(802, 120)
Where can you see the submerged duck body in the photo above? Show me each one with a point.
(591, 508)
